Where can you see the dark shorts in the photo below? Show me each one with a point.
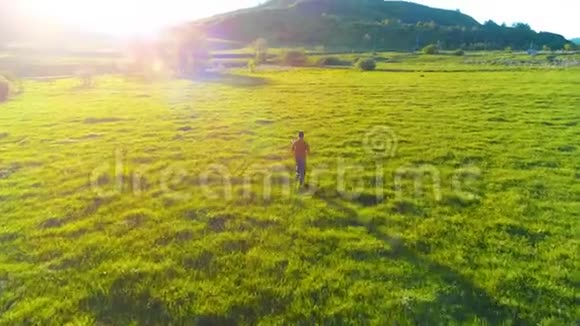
(300, 169)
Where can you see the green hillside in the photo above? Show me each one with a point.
(369, 24)
(378, 10)
(576, 40)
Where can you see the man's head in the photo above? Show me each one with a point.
(301, 134)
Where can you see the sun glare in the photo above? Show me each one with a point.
(122, 18)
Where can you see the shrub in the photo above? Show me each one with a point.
(459, 52)
(367, 65)
(546, 48)
(294, 58)
(5, 87)
(568, 47)
(332, 61)
(431, 49)
(508, 49)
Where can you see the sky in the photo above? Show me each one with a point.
(557, 16)
(144, 17)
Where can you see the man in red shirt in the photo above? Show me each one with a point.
(301, 149)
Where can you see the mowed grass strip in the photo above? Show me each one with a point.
(104, 219)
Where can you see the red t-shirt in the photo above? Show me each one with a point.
(300, 148)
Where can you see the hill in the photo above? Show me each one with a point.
(576, 40)
(368, 24)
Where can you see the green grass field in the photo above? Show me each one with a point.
(173, 202)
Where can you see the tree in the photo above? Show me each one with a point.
(431, 49)
(546, 48)
(490, 23)
(522, 26)
(260, 47)
(367, 65)
(568, 47)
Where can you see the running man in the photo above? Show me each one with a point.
(301, 149)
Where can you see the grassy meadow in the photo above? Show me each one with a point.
(173, 201)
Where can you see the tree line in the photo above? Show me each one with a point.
(332, 31)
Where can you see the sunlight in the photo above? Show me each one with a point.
(121, 18)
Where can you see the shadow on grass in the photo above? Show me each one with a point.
(126, 303)
(463, 301)
(231, 79)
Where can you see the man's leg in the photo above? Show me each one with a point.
(297, 169)
(301, 170)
